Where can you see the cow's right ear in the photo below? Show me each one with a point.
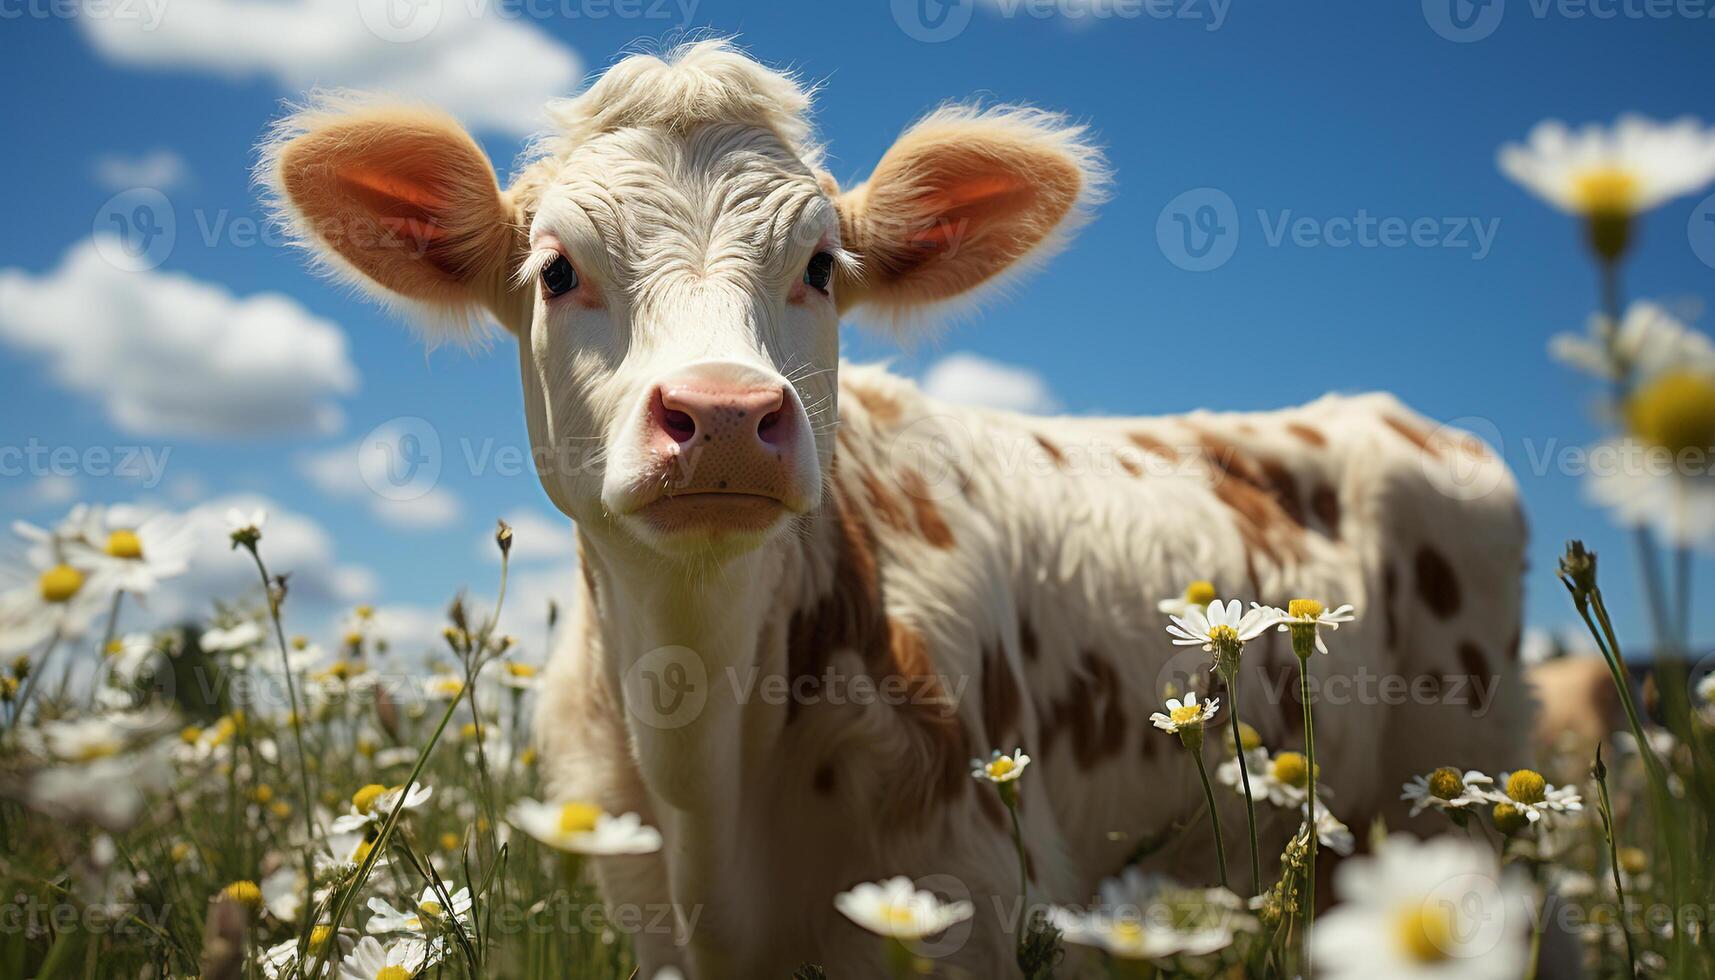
(400, 200)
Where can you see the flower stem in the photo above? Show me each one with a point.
(1214, 816)
(297, 721)
(41, 666)
(1310, 763)
(1023, 874)
(1606, 810)
(1245, 779)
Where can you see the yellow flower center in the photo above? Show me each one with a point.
(365, 612)
(528, 757)
(8, 688)
(1128, 933)
(1000, 767)
(578, 818)
(1509, 819)
(1606, 191)
(430, 908)
(898, 915)
(280, 809)
(449, 841)
(1633, 860)
(60, 583)
(264, 793)
(244, 893)
(1675, 411)
(1304, 609)
(1527, 786)
(1446, 784)
(125, 544)
(393, 972)
(1291, 769)
(190, 734)
(1186, 714)
(354, 639)
(1223, 635)
(363, 801)
(1249, 738)
(524, 671)
(300, 642)
(1200, 593)
(180, 851)
(319, 937)
(1425, 932)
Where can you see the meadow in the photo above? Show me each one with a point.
(231, 798)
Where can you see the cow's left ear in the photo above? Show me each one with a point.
(963, 199)
(401, 201)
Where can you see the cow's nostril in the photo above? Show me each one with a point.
(679, 425)
(769, 426)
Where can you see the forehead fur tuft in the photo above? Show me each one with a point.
(708, 81)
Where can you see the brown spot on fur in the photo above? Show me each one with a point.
(1091, 713)
(1128, 464)
(928, 708)
(929, 521)
(882, 503)
(1001, 700)
(1284, 486)
(1052, 450)
(1153, 446)
(1325, 503)
(1390, 607)
(1027, 644)
(882, 407)
(1262, 495)
(1413, 435)
(1475, 664)
(1309, 435)
(1436, 583)
(822, 780)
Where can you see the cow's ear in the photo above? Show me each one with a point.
(962, 200)
(401, 201)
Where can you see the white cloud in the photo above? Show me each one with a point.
(536, 537)
(170, 355)
(967, 379)
(292, 544)
(383, 471)
(158, 169)
(49, 490)
(477, 60)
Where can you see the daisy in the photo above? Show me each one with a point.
(1332, 834)
(372, 804)
(1143, 917)
(281, 960)
(1706, 688)
(283, 893)
(896, 909)
(136, 551)
(444, 687)
(242, 524)
(1649, 340)
(1284, 779)
(1309, 616)
(1219, 624)
(1438, 910)
(1000, 768)
(520, 676)
(1532, 796)
(1631, 168)
(369, 960)
(389, 919)
(581, 828)
(1197, 595)
(1185, 715)
(1446, 789)
(345, 851)
(240, 636)
(52, 597)
(82, 740)
(1657, 474)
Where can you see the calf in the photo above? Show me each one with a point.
(812, 595)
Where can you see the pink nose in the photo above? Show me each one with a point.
(726, 437)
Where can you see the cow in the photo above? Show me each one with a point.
(811, 594)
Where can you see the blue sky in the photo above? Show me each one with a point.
(1325, 111)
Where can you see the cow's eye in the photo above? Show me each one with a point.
(559, 277)
(820, 272)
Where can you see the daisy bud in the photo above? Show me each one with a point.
(1578, 572)
(1509, 819)
(21, 666)
(503, 537)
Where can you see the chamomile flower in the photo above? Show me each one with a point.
(230, 639)
(581, 828)
(1197, 595)
(1283, 780)
(896, 909)
(283, 892)
(281, 960)
(48, 597)
(1185, 714)
(1144, 917)
(1330, 831)
(1000, 768)
(245, 521)
(1649, 341)
(520, 676)
(1308, 617)
(1446, 789)
(401, 960)
(1219, 623)
(1636, 165)
(1657, 474)
(372, 804)
(444, 687)
(1437, 910)
(429, 916)
(1528, 793)
(135, 550)
(83, 739)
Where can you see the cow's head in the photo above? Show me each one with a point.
(673, 261)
